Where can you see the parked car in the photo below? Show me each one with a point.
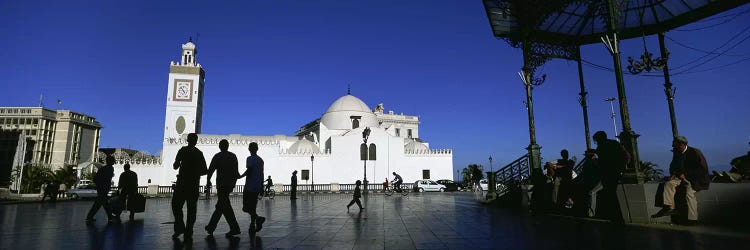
(82, 183)
(449, 185)
(498, 187)
(82, 192)
(428, 185)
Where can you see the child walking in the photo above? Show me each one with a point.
(357, 194)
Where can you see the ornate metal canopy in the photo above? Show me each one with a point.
(578, 22)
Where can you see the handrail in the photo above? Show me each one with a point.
(513, 173)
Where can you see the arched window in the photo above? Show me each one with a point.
(355, 123)
(373, 152)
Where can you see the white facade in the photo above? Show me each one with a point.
(334, 140)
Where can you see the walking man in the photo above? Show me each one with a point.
(128, 185)
(225, 164)
(294, 185)
(253, 187)
(103, 181)
(192, 166)
(689, 168)
(612, 161)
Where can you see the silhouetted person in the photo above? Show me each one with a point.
(688, 168)
(563, 179)
(740, 169)
(397, 182)
(253, 187)
(269, 184)
(192, 166)
(357, 195)
(208, 190)
(589, 183)
(294, 185)
(103, 181)
(49, 191)
(128, 187)
(62, 188)
(612, 161)
(225, 164)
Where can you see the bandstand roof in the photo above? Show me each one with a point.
(577, 22)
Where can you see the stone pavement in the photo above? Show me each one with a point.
(419, 221)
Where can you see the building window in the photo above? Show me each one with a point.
(426, 174)
(408, 132)
(305, 175)
(398, 132)
(355, 121)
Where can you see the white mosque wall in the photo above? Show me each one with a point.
(342, 165)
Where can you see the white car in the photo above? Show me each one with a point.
(82, 192)
(498, 187)
(428, 185)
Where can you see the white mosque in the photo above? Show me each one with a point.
(326, 150)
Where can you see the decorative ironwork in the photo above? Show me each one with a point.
(513, 173)
(647, 63)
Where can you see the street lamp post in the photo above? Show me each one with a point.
(312, 170)
(612, 107)
(363, 154)
(491, 180)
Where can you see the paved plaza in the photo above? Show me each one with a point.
(419, 221)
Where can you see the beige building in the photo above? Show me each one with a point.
(59, 137)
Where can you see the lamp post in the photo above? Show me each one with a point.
(612, 107)
(363, 154)
(491, 164)
(490, 180)
(312, 170)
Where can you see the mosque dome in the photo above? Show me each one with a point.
(414, 145)
(304, 146)
(347, 111)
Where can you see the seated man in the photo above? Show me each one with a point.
(689, 168)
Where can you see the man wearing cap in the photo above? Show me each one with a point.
(689, 168)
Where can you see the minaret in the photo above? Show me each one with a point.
(184, 95)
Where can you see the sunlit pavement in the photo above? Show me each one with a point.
(420, 220)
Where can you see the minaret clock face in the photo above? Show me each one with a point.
(183, 90)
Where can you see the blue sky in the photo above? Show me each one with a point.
(272, 66)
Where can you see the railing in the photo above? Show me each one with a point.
(164, 190)
(579, 166)
(513, 173)
(142, 190)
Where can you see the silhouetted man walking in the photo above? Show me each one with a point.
(294, 185)
(192, 166)
(128, 185)
(103, 181)
(253, 187)
(225, 164)
(612, 161)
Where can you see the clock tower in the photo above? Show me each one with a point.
(184, 95)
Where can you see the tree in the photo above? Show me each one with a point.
(65, 175)
(473, 170)
(34, 176)
(651, 172)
